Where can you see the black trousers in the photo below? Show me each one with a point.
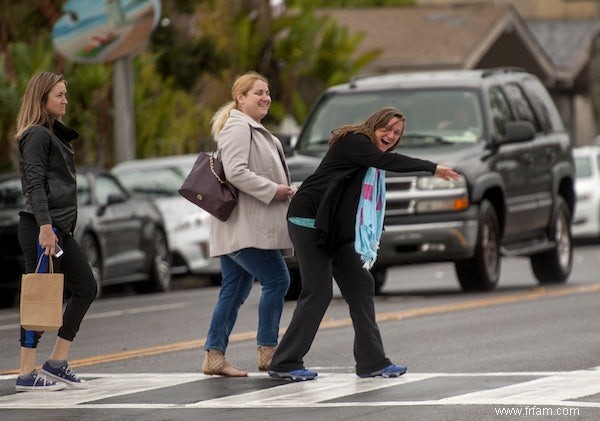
(357, 287)
(79, 280)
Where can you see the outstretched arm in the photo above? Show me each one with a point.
(446, 173)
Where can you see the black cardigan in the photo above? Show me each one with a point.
(331, 194)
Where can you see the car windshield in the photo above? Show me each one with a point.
(583, 167)
(11, 196)
(152, 182)
(434, 116)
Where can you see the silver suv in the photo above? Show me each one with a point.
(501, 131)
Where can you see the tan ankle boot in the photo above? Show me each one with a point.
(216, 364)
(264, 357)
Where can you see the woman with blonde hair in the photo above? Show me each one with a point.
(48, 178)
(251, 242)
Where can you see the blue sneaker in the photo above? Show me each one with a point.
(64, 374)
(294, 375)
(391, 370)
(35, 382)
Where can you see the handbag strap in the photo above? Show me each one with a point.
(50, 264)
(212, 168)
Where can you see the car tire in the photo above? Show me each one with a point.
(159, 277)
(554, 266)
(90, 247)
(482, 271)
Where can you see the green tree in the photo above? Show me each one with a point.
(25, 60)
(313, 52)
(167, 117)
(347, 3)
(184, 75)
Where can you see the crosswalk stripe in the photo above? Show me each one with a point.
(327, 387)
(327, 391)
(558, 387)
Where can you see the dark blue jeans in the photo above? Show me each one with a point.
(79, 280)
(239, 271)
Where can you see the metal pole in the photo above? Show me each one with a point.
(124, 121)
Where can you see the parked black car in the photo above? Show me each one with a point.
(501, 131)
(123, 237)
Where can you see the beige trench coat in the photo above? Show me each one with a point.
(255, 166)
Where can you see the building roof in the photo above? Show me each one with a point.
(429, 36)
(567, 42)
(469, 36)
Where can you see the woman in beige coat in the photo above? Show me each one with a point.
(251, 242)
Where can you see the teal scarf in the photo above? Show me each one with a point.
(369, 217)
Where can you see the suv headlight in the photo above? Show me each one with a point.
(438, 195)
(436, 183)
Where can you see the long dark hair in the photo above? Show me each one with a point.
(377, 120)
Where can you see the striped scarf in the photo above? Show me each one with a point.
(369, 217)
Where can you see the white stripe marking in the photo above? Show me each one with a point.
(550, 389)
(117, 313)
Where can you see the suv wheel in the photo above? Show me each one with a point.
(554, 266)
(482, 271)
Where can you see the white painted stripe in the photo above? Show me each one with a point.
(100, 388)
(558, 387)
(324, 388)
(116, 313)
(138, 310)
(549, 389)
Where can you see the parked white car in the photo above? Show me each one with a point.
(586, 221)
(187, 225)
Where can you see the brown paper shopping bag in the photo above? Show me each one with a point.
(42, 299)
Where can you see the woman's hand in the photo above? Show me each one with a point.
(446, 173)
(284, 192)
(48, 239)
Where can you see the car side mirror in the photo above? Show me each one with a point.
(517, 131)
(111, 200)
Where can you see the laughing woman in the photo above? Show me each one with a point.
(335, 221)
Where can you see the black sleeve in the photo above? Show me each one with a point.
(34, 148)
(358, 149)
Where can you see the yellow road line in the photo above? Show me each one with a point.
(534, 294)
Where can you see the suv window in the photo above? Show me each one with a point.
(542, 103)
(450, 115)
(500, 110)
(522, 108)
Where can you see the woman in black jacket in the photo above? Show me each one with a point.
(46, 224)
(335, 221)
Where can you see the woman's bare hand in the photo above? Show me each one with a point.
(48, 239)
(446, 173)
(284, 192)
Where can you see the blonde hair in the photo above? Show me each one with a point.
(377, 120)
(242, 85)
(33, 111)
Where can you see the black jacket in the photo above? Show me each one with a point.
(48, 175)
(331, 194)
